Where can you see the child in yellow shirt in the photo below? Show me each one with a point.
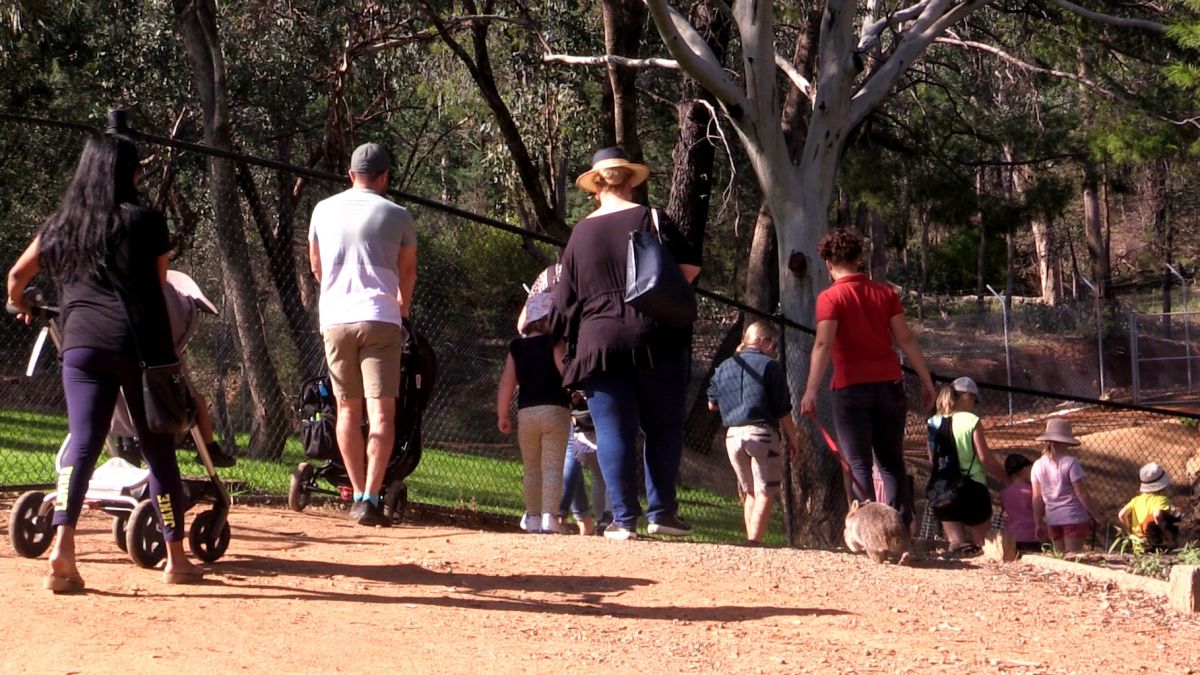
(1150, 515)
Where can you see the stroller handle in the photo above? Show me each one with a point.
(36, 301)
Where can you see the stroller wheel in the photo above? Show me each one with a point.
(28, 528)
(298, 491)
(207, 543)
(395, 502)
(143, 538)
(119, 530)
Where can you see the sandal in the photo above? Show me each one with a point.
(71, 584)
(965, 551)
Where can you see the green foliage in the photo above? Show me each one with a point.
(1125, 544)
(1189, 554)
(1150, 564)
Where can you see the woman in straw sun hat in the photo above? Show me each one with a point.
(633, 371)
(1062, 508)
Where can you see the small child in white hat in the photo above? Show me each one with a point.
(1062, 508)
(1150, 515)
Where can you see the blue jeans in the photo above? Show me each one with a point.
(575, 495)
(653, 400)
(869, 419)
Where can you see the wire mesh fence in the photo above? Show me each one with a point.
(468, 295)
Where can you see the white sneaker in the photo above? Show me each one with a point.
(530, 522)
(552, 524)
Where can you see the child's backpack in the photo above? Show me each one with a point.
(946, 475)
(318, 419)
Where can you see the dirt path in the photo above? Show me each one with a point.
(312, 593)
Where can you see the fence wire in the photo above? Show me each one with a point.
(469, 291)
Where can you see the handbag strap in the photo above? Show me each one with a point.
(124, 297)
(654, 222)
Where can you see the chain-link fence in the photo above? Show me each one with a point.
(469, 291)
(1164, 361)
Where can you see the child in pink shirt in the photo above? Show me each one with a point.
(1017, 501)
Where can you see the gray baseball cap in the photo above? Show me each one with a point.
(370, 158)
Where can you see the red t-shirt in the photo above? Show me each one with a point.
(862, 347)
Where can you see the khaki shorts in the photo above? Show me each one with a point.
(364, 359)
(757, 458)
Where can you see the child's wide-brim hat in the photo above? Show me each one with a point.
(1058, 431)
(1154, 477)
(611, 158)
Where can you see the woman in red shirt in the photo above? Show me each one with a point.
(857, 322)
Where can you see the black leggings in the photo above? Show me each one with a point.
(91, 379)
(869, 419)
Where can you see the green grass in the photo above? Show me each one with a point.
(462, 481)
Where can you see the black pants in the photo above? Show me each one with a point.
(91, 379)
(869, 419)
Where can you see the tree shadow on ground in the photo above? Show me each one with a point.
(587, 604)
(250, 566)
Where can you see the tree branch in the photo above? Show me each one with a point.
(695, 56)
(937, 16)
(1144, 24)
(794, 75)
(606, 59)
(872, 33)
(1009, 58)
(786, 66)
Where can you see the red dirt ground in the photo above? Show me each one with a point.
(313, 593)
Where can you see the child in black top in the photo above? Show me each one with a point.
(533, 370)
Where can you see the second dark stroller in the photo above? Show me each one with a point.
(318, 420)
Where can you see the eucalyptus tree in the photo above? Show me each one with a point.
(863, 51)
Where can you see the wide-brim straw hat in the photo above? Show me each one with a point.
(611, 158)
(1153, 477)
(1058, 431)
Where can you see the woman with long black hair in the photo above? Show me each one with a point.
(101, 245)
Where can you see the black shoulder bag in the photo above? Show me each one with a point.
(946, 475)
(654, 284)
(169, 405)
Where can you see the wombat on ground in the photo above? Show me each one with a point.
(879, 530)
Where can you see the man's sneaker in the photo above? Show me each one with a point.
(671, 525)
(531, 523)
(357, 509)
(219, 458)
(371, 516)
(620, 532)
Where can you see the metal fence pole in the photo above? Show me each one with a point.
(1187, 319)
(788, 493)
(1099, 333)
(1007, 349)
(1133, 357)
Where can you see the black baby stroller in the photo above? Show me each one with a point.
(318, 419)
(119, 487)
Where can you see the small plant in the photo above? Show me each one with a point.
(1048, 549)
(1125, 544)
(1188, 555)
(1190, 422)
(1151, 564)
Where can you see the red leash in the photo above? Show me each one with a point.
(833, 447)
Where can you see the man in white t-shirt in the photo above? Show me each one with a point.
(363, 250)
